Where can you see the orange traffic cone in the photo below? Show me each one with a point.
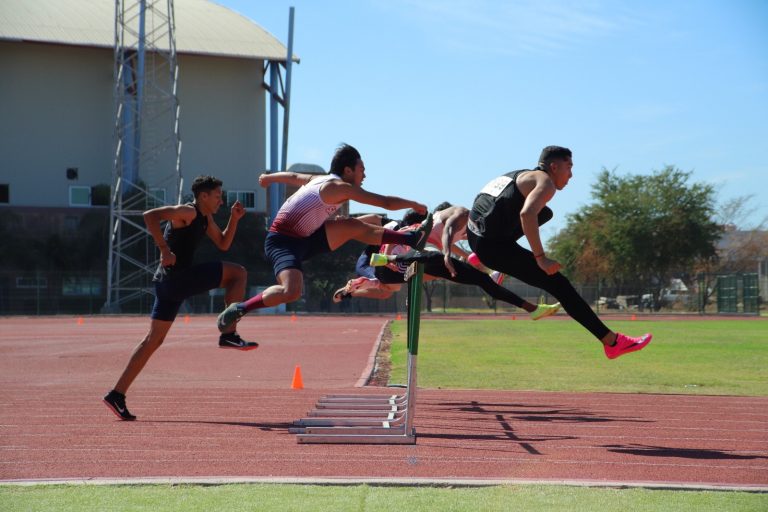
(80, 321)
(293, 317)
(634, 317)
(399, 317)
(514, 317)
(186, 319)
(297, 382)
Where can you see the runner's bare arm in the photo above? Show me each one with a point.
(456, 221)
(335, 192)
(223, 239)
(178, 215)
(295, 179)
(537, 198)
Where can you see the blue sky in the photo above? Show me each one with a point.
(441, 96)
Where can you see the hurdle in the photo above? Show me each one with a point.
(371, 418)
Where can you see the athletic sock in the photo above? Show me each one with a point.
(255, 302)
(408, 238)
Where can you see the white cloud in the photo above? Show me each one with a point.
(513, 27)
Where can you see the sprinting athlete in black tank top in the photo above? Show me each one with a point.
(182, 241)
(496, 210)
(177, 278)
(514, 205)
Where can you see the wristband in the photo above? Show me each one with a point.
(537, 256)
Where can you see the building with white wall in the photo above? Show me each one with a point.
(57, 110)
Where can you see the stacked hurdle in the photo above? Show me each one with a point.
(371, 419)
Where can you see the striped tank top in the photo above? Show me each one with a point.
(304, 212)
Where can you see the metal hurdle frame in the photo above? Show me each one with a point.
(371, 419)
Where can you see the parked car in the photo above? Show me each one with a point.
(607, 303)
(647, 302)
(671, 297)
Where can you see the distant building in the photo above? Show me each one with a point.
(58, 121)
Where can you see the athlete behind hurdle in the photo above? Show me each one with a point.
(176, 278)
(382, 274)
(302, 227)
(380, 282)
(514, 205)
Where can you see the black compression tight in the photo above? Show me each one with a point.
(465, 274)
(507, 256)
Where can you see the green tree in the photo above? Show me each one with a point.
(742, 247)
(640, 231)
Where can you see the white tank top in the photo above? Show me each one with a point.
(304, 212)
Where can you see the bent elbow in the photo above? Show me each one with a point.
(527, 215)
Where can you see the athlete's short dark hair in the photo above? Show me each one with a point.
(442, 206)
(345, 156)
(412, 217)
(551, 153)
(204, 184)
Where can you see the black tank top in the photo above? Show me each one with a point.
(496, 210)
(183, 242)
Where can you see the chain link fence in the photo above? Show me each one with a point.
(51, 293)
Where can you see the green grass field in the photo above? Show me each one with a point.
(364, 498)
(697, 357)
(715, 357)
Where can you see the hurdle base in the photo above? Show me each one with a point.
(370, 418)
(340, 435)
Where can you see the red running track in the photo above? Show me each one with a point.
(206, 413)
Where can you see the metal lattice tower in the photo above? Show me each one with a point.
(279, 93)
(146, 171)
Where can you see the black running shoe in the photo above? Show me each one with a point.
(233, 340)
(424, 230)
(116, 403)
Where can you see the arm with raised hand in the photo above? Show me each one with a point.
(223, 239)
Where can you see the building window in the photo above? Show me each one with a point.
(5, 194)
(246, 197)
(79, 196)
(32, 282)
(81, 286)
(100, 195)
(156, 198)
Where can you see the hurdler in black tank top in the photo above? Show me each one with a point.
(496, 210)
(183, 242)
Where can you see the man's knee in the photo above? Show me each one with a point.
(292, 291)
(153, 339)
(236, 270)
(292, 295)
(234, 273)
